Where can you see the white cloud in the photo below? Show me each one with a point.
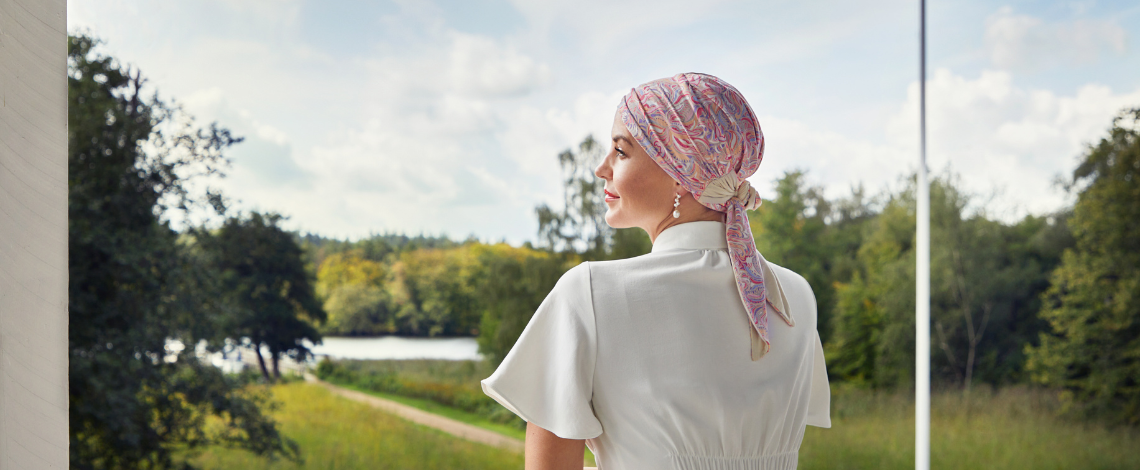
(427, 156)
(481, 67)
(533, 137)
(1023, 42)
(428, 128)
(1005, 138)
(831, 159)
(1005, 142)
(602, 25)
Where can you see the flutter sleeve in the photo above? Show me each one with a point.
(819, 403)
(547, 376)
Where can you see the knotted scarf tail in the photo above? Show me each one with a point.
(749, 272)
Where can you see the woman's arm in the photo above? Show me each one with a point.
(546, 451)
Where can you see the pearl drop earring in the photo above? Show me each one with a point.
(676, 204)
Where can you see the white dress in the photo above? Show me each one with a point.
(648, 359)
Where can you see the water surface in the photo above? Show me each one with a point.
(397, 347)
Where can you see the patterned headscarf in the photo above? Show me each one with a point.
(702, 132)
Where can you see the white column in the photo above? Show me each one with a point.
(33, 234)
(922, 275)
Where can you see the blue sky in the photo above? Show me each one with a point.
(447, 117)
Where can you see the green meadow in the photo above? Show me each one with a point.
(337, 433)
(1010, 428)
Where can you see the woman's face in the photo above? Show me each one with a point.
(638, 192)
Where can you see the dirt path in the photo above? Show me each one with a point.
(416, 415)
(448, 425)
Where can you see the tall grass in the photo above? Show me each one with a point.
(1009, 428)
(450, 383)
(336, 433)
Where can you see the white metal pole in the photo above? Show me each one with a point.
(922, 274)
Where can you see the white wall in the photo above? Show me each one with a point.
(33, 234)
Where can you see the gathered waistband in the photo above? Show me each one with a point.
(786, 461)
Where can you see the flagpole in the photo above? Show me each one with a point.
(922, 273)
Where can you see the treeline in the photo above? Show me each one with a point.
(858, 254)
(1048, 299)
(490, 291)
(1052, 300)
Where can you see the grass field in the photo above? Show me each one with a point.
(336, 433)
(1012, 428)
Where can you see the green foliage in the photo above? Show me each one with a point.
(419, 292)
(475, 289)
(1092, 350)
(873, 327)
(355, 298)
(270, 299)
(133, 286)
(985, 279)
(393, 284)
(376, 247)
(512, 283)
(440, 289)
(801, 230)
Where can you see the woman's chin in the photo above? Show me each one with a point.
(613, 219)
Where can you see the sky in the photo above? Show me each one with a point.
(446, 117)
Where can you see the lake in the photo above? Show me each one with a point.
(397, 347)
(336, 347)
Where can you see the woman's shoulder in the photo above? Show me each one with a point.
(625, 264)
(612, 269)
(575, 278)
(789, 278)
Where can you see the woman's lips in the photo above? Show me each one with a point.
(610, 196)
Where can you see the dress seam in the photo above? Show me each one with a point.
(741, 457)
(781, 461)
(594, 318)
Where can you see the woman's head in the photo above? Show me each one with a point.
(700, 130)
(703, 141)
(639, 193)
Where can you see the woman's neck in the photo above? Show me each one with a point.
(705, 214)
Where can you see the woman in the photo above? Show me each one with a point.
(645, 360)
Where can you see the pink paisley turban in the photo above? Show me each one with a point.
(702, 132)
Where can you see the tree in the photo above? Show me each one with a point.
(356, 300)
(133, 287)
(1092, 348)
(440, 286)
(802, 231)
(581, 226)
(268, 290)
(511, 284)
(872, 341)
(985, 277)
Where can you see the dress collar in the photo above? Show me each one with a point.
(697, 235)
